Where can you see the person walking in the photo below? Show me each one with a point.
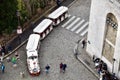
(64, 67)
(61, 67)
(47, 67)
(17, 55)
(58, 3)
(83, 43)
(8, 59)
(3, 68)
(14, 60)
(9, 48)
(3, 50)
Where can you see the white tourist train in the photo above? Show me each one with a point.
(39, 33)
(58, 15)
(44, 28)
(32, 48)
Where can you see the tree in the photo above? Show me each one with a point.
(8, 14)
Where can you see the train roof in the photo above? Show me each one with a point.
(55, 14)
(42, 26)
(32, 53)
(33, 42)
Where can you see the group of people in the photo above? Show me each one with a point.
(13, 60)
(102, 70)
(4, 50)
(61, 65)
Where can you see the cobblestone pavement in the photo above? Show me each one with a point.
(81, 8)
(56, 48)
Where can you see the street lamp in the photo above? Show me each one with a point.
(113, 65)
(18, 16)
(19, 29)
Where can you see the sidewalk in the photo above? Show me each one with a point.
(86, 60)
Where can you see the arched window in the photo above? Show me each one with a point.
(110, 36)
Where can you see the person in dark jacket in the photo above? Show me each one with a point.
(3, 49)
(47, 69)
(64, 67)
(83, 43)
(58, 3)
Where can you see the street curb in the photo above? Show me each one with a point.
(72, 3)
(87, 67)
(15, 49)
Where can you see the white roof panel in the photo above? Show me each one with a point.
(55, 14)
(32, 53)
(42, 26)
(33, 42)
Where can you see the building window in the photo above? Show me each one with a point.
(110, 37)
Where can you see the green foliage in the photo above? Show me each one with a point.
(42, 4)
(8, 12)
(8, 15)
(23, 11)
(8, 18)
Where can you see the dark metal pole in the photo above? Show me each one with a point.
(18, 15)
(113, 65)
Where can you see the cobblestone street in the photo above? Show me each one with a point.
(56, 48)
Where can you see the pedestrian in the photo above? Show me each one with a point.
(58, 3)
(3, 49)
(3, 68)
(83, 43)
(64, 67)
(17, 55)
(47, 67)
(9, 48)
(100, 67)
(61, 67)
(8, 59)
(14, 60)
(3, 54)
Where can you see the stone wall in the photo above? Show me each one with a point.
(96, 32)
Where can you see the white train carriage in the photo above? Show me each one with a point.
(44, 28)
(32, 48)
(58, 15)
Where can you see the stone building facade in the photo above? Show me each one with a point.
(104, 33)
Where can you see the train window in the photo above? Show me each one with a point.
(32, 57)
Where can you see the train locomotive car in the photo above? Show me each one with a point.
(32, 54)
